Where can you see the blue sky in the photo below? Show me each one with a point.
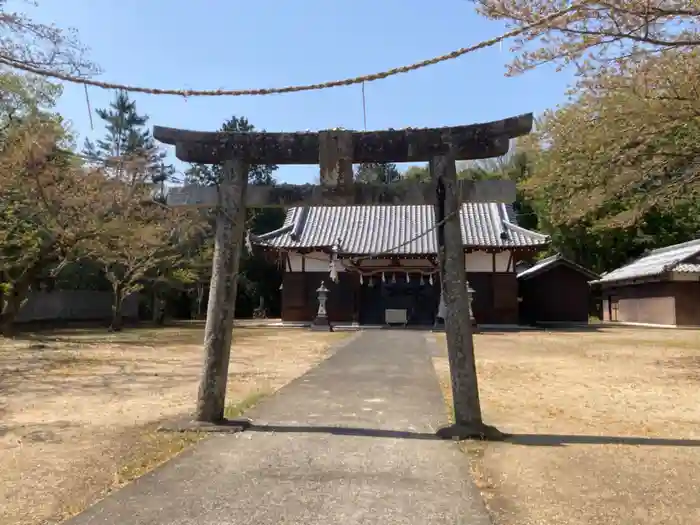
(268, 43)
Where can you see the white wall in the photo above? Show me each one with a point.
(683, 276)
(406, 263)
(483, 262)
(74, 305)
(475, 262)
(315, 262)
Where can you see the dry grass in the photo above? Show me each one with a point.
(79, 409)
(552, 388)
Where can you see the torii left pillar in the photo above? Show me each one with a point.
(218, 331)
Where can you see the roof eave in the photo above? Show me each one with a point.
(628, 281)
(545, 239)
(535, 271)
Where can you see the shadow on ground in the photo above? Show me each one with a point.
(559, 440)
(542, 440)
(140, 335)
(95, 333)
(342, 431)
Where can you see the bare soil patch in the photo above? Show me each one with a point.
(606, 426)
(79, 408)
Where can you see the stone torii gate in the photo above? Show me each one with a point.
(336, 151)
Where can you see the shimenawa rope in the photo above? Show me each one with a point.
(289, 89)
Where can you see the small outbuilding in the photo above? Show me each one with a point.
(661, 288)
(555, 290)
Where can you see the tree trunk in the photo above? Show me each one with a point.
(162, 312)
(12, 303)
(200, 301)
(117, 320)
(3, 329)
(158, 310)
(10, 308)
(154, 306)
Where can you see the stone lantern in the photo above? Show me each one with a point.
(321, 322)
(439, 325)
(470, 297)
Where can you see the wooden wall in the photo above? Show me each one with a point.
(687, 303)
(559, 295)
(652, 303)
(495, 300)
(300, 299)
(495, 297)
(665, 303)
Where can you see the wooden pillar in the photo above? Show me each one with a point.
(218, 332)
(460, 343)
(309, 303)
(357, 311)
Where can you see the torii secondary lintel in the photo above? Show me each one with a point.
(289, 195)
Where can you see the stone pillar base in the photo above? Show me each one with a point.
(479, 431)
(321, 324)
(475, 327)
(439, 326)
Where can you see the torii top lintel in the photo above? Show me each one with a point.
(474, 141)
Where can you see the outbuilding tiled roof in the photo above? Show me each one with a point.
(549, 262)
(362, 230)
(676, 258)
(687, 268)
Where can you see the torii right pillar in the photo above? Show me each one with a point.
(468, 422)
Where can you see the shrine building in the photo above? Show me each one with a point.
(376, 258)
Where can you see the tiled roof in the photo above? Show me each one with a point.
(548, 262)
(687, 268)
(377, 229)
(670, 259)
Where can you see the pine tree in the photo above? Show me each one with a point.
(208, 175)
(385, 172)
(258, 277)
(128, 143)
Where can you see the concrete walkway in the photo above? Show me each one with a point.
(349, 442)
